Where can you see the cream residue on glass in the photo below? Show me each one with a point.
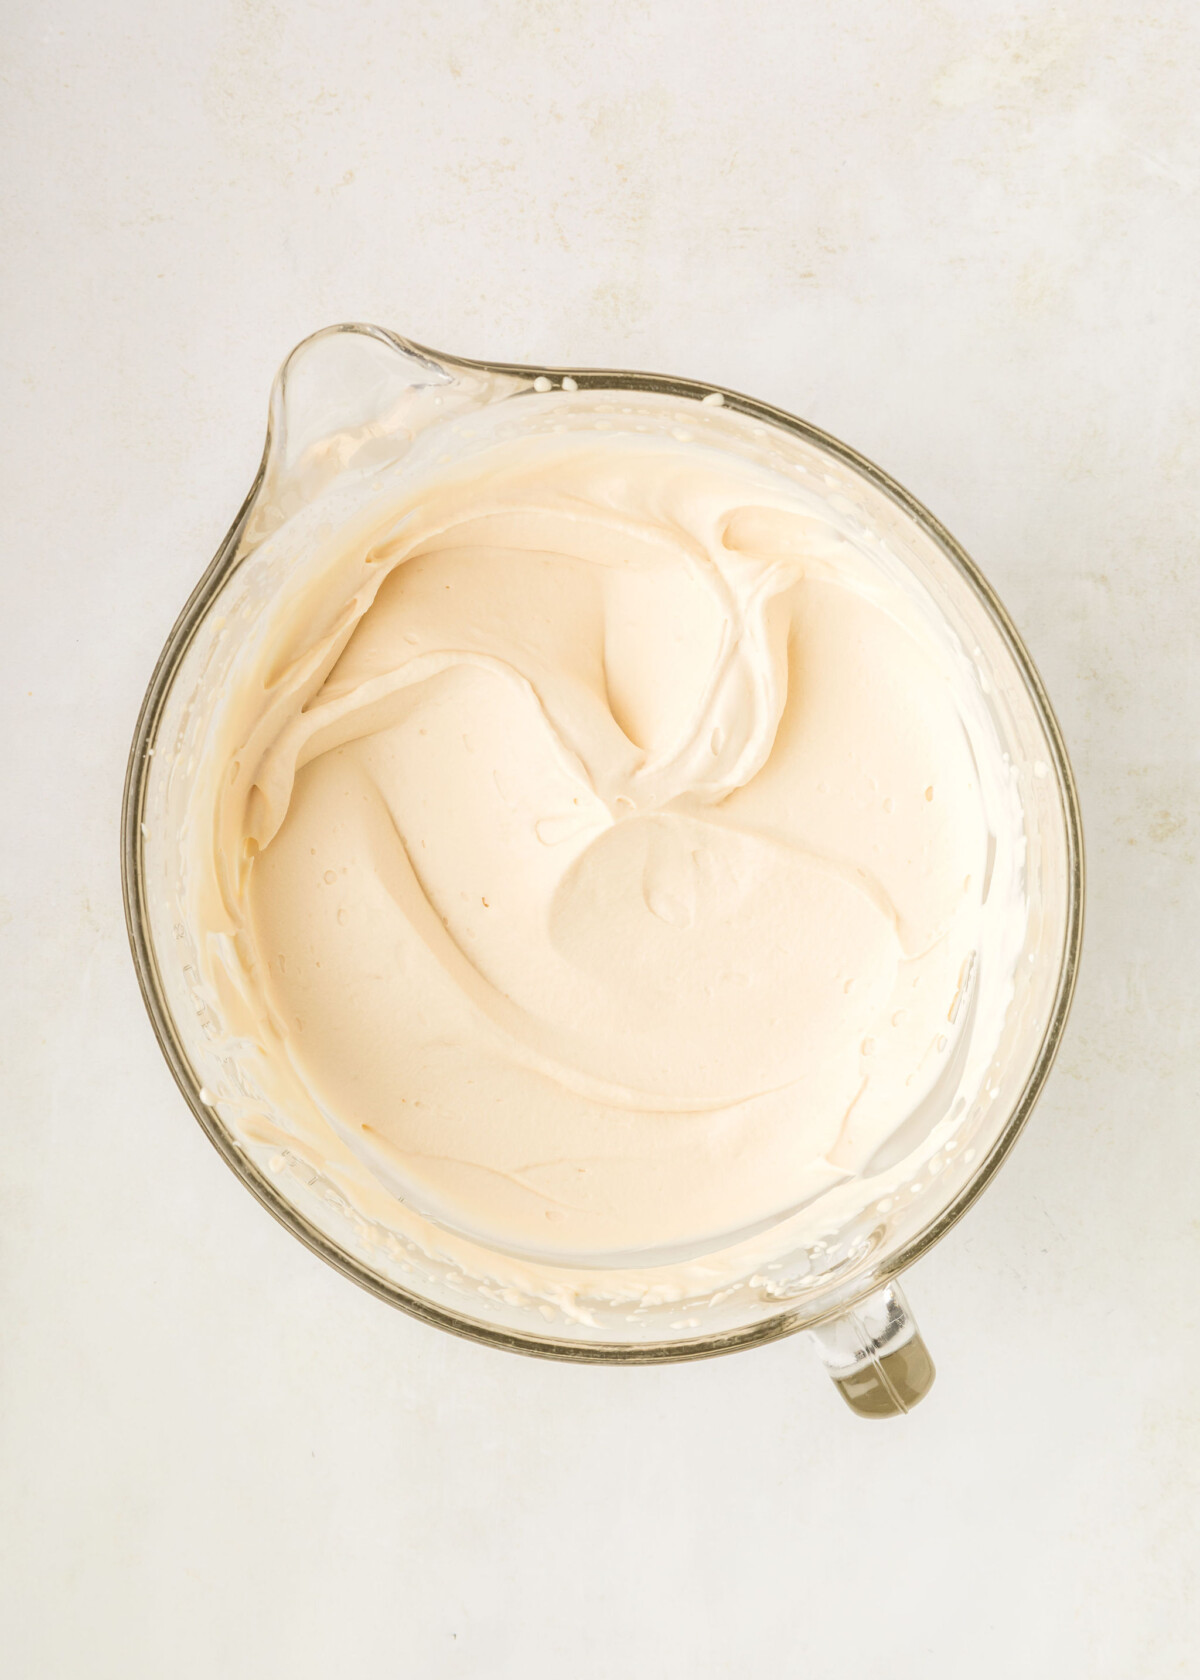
(595, 851)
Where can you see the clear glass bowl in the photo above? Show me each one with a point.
(347, 407)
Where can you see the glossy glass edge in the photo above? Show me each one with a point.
(145, 962)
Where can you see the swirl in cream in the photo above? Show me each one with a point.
(601, 838)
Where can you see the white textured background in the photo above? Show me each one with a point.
(964, 236)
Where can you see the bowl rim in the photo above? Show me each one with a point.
(133, 884)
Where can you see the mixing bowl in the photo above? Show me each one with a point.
(351, 407)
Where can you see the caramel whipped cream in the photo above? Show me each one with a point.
(594, 851)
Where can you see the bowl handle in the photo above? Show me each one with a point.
(875, 1355)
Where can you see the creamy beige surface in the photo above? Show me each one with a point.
(602, 848)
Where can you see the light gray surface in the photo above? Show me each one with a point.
(964, 238)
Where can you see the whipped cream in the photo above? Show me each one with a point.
(595, 852)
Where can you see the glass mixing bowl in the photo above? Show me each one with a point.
(347, 408)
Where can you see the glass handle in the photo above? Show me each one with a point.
(875, 1355)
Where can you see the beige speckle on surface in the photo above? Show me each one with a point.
(961, 235)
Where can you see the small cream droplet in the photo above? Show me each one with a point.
(541, 383)
(928, 793)
(570, 384)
